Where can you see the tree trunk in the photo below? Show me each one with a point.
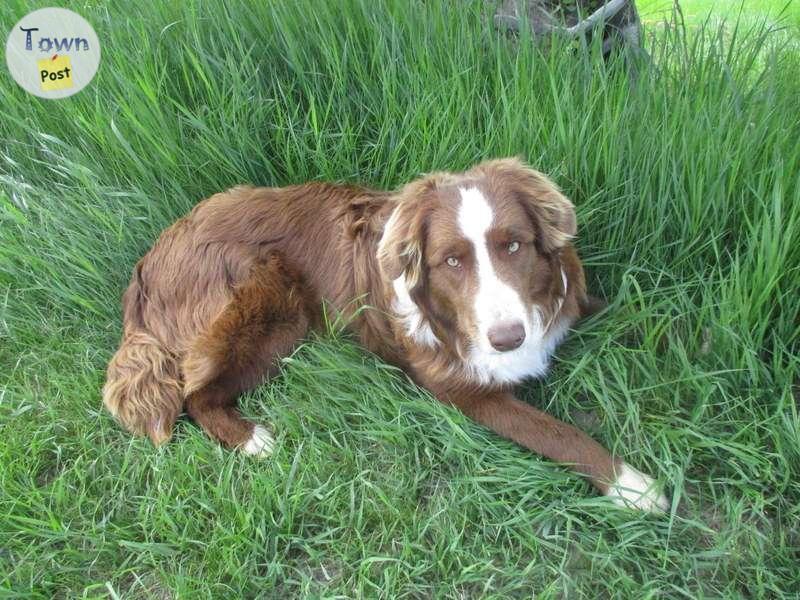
(616, 20)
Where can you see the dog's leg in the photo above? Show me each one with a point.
(265, 318)
(546, 435)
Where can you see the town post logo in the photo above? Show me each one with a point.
(52, 52)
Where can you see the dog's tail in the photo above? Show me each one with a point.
(143, 387)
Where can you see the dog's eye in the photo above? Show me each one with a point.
(513, 247)
(453, 261)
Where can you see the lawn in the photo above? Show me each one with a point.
(786, 12)
(781, 13)
(685, 180)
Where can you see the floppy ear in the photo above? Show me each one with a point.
(400, 249)
(551, 211)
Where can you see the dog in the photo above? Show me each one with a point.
(467, 281)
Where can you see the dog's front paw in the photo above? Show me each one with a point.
(260, 443)
(636, 490)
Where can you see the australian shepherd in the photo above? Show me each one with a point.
(468, 281)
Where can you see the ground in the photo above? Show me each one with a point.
(685, 179)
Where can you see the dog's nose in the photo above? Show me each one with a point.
(507, 336)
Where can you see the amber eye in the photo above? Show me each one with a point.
(453, 261)
(513, 247)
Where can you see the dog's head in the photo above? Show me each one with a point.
(473, 261)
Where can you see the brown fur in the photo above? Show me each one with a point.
(235, 284)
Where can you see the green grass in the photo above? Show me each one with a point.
(686, 186)
(784, 13)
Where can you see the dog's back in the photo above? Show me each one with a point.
(191, 276)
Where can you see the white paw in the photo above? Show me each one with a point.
(637, 490)
(260, 444)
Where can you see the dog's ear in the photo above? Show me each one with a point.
(401, 247)
(552, 213)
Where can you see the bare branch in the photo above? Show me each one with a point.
(604, 13)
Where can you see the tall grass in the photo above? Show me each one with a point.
(685, 180)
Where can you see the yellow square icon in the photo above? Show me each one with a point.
(55, 73)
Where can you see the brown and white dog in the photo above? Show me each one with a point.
(467, 281)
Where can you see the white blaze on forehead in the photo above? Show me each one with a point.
(495, 301)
